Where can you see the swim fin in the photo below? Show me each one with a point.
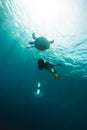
(56, 75)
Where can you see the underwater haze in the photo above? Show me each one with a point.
(31, 99)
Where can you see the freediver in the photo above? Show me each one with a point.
(42, 64)
(40, 43)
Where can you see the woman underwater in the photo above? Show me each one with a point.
(42, 64)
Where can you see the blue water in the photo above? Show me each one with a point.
(62, 104)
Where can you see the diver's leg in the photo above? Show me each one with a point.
(56, 75)
(52, 69)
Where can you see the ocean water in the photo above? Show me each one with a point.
(31, 99)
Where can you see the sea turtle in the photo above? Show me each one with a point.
(41, 43)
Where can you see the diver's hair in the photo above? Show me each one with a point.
(40, 64)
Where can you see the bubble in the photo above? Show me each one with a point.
(38, 90)
(39, 85)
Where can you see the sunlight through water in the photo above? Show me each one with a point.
(64, 21)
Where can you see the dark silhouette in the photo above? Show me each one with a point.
(40, 43)
(42, 64)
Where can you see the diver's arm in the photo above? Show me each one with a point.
(58, 64)
(55, 64)
(52, 64)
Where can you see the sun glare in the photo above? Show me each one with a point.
(45, 14)
(50, 18)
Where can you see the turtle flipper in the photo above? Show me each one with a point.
(28, 47)
(31, 42)
(52, 41)
(33, 36)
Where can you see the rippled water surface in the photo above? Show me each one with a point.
(60, 104)
(68, 30)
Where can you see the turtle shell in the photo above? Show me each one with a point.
(42, 43)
